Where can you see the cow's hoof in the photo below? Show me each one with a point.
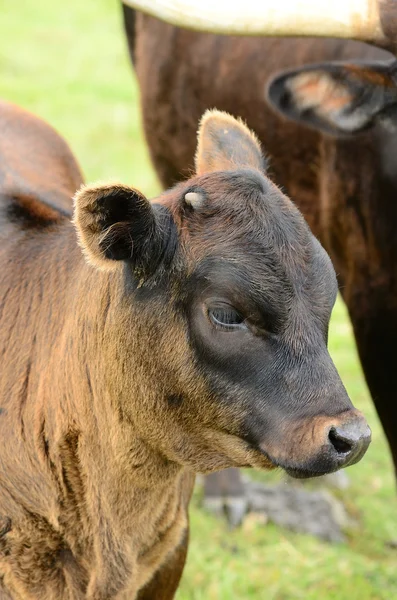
(224, 496)
(231, 508)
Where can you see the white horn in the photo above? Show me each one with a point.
(356, 19)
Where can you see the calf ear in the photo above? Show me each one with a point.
(336, 98)
(117, 223)
(225, 143)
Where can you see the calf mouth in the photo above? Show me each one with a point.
(323, 465)
(297, 472)
(327, 445)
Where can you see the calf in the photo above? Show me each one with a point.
(179, 336)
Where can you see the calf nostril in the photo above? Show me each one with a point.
(339, 442)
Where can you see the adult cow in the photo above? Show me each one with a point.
(184, 335)
(345, 185)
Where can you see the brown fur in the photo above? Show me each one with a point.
(242, 154)
(115, 387)
(88, 225)
(63, 536)
(21, 171)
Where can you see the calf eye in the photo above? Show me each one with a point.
(225, 317)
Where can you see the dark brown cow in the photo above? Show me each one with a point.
(346, 186)
(191, 338)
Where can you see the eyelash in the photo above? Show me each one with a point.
(226, 317)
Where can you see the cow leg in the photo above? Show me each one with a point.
(376, 337)
(224, 495)
(165, 581)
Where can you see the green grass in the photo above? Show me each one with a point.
(67, 62)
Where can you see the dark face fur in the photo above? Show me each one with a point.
(239, 294)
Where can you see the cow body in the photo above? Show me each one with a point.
(126, 366)
(345, 186)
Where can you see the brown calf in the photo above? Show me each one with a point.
(346, 186)
(191, 338)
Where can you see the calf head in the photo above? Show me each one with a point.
(215, 346)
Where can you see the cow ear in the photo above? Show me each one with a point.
(225, 143)
(336, 98)
(116, 223)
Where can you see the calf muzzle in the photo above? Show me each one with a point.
(320, 444)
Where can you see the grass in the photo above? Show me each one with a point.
(67, 62)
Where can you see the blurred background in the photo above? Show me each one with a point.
(68, 63)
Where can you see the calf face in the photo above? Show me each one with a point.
(215, 347)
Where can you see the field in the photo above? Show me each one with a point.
(67, 62)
